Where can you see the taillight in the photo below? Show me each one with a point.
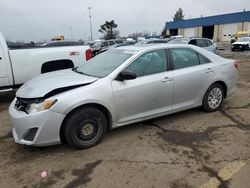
(88, 54)
(236, 66)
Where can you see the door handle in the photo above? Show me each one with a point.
(209, 70)
(166, 79)
(0, 58)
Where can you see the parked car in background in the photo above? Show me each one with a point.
(241, 44)
(19, 65)
(101, 45)
(118, 87)
(239, 34)
(61, 43)
(153, 41)
(91, 43)
(205, 43)
(127, 43)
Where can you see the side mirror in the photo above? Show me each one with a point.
(126, 75)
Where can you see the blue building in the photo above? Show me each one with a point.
(218, 28)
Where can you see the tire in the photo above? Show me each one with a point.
(85, 128)
(213, 99)
(232, 49)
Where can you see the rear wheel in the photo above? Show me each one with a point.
(85, 128)
(213, 98)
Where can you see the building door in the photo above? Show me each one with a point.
(208, 32)
(227, 31)
(189, 32)
(173, 32)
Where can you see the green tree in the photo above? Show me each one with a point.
(108, 29)
(178, 15)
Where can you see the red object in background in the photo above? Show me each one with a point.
(88, 54)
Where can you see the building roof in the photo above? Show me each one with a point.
(210, 20)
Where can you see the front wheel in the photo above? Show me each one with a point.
(85, 128)
(213, 98)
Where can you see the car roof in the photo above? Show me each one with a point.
(143, 47)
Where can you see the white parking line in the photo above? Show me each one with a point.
(224, 174)
(230, 169)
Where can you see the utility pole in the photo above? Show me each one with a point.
(90, 23)
(71, 32)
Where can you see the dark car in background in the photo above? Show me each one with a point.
(205, 43)
(153, 41)
(100, 46)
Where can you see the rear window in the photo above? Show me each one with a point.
(203, 59)
(184, 57)
(209, 42)
(201, 43)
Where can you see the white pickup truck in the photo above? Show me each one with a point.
(19, 65)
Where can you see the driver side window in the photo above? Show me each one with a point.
(149, 63)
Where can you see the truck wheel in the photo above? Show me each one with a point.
(213, 98)
(85, 128)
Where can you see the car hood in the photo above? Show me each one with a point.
(54, 82)
(244, 43)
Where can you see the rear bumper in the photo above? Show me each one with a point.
(38, 129)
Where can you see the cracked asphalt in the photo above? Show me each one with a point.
(183, 150)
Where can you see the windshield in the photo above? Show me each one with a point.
(244, 39)
(105, 63)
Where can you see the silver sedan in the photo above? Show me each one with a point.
(119, 87)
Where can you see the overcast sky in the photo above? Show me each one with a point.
(28, 20)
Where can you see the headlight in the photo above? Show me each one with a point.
(37, 107)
